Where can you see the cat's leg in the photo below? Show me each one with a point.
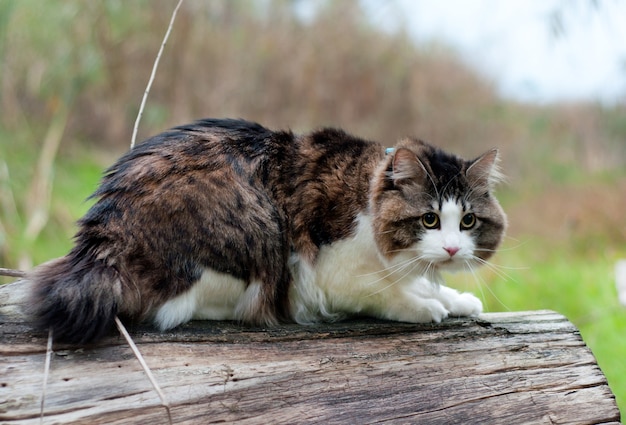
(235, 241)
(261, 240)
(413, 303)
(215, 296)
(422, 302)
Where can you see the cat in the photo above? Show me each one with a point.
(224, 219)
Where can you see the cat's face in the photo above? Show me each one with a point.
(434, 211)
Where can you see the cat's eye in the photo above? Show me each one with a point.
(468, 221)
(430, 220)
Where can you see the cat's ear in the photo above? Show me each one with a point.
(484, 172)
(406, 167)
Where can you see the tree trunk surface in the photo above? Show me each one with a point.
(510, 368)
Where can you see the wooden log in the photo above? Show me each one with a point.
(513, 368)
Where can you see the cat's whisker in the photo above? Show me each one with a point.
(485, 250)
(433, 274)
(449, 182)
(472, 190)
(395, 251)
(390, 268)
(511, 238)
(469, 267)
(497, 269)
(481, 283)
(394, 282)
(413, 264)
(511, 248)
(514, 239)
(493, 268)
(397, 268)
(399, 265)
(501, 267)
(432, 181)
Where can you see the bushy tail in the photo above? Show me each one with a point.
(77, 297)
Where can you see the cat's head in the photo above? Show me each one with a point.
(434, 211)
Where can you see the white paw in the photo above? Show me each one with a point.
(430, 310)
(416, 310)
(421, 311)
(465, 304)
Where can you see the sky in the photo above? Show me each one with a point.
(520, 46)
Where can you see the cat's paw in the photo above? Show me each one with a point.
(430, 310)
(438, 311)
(416, 310)
(465, 304)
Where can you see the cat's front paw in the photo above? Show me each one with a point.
(428, 310)
(416, 310)
(432, 311)
(465, 304)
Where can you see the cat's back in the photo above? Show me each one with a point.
(207, 145)
(181, 181)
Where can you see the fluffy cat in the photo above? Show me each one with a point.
(227, 220)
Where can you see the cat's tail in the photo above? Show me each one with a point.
(77, 296)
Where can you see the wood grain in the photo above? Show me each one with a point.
(510, 368)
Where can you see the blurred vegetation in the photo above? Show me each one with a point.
(74, 72)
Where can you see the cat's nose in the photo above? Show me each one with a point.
(451, 250)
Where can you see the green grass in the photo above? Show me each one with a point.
(75, 177)
(536, 273)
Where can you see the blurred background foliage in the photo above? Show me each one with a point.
(73, 74)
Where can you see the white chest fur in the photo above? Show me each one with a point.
(350, 277)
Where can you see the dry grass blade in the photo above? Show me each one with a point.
(40, 191)
(118, 322)
(46, 373)
(154, 69)
(12, 272)
(144, 365)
